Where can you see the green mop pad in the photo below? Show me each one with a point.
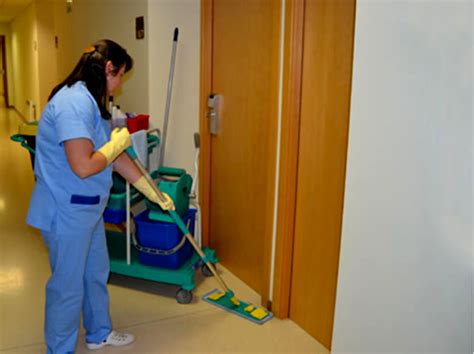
(248, 311)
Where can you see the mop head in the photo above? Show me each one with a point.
(228, 302)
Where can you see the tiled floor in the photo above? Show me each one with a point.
(147, 309)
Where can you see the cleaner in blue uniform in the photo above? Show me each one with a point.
(75, 153)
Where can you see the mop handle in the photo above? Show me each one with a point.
(174, 215)
(198, 249)
(145, 173)
(168, 99)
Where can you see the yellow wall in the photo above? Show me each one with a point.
(25, 61)
(65, 58)
(91, 20)
(46, 50)
(33, 47)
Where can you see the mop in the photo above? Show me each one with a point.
(224, 299)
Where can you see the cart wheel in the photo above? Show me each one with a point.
(206, 271)
(184, 296)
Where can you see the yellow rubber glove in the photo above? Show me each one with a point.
(119, 141)
(144, 187)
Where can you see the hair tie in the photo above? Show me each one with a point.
(90, 49)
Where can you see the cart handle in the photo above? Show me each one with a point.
(21, 139)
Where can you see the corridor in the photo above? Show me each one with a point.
(146, 309)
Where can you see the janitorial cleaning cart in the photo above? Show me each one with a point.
(151, 246)
(27, 138)
(148, 244)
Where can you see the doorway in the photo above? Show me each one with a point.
(3, 74)
(240, 62)
(315, 121)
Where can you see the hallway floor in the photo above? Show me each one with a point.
(146, 309)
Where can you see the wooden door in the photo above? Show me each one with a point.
(240, 62)
(324, 120)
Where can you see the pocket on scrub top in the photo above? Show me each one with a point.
(85, 199)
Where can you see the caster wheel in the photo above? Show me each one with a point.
(206, 271)
(184, 296)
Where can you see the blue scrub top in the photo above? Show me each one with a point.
(71, 114)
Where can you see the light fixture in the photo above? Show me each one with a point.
(68, 6)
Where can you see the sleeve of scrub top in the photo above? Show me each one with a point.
(75, 117)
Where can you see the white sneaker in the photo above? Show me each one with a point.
(115, 339)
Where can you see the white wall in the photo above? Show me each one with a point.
(164, 16)
(406, 258)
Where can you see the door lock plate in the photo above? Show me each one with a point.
(215, 104)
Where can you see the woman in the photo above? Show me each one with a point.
(75, 151)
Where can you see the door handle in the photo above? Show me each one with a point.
(215, 104)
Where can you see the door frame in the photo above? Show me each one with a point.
(4, 67)
(289, 151)
(288, 164)
(205, 136)
(292, 71)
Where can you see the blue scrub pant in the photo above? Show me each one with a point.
(80, 268)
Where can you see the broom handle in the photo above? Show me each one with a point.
(178, 221)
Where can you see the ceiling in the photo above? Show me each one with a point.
(9, 9)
